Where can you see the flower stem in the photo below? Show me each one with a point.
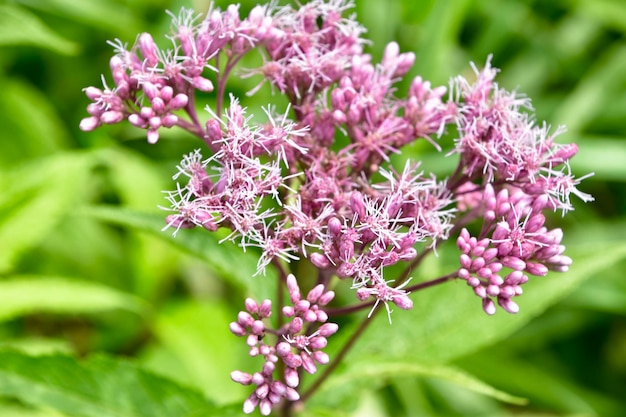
(342, 353)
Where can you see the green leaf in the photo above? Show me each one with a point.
(34, 196)
(542, 385)
(603, 156)
(16, 410)
(205, 350)
(98, 387)
(20, 27)
(138, 182)
(374, 373)
(447, 321)
(20, 105)
(37, 346)
(439, 35)
(21, 295)
(109, 15)
(229, 262)
(579, 107)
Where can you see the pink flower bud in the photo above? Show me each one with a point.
(93, 93)
(89, 123)
(507, 291)
(262, 391)
(493, 290)
(153, 136)
(265, 309)
(137, 120)
(291, 377)
(252, 340)
(307, 363)
(463, 273)
(265, 406)
(536, 269)
(296, 325)
(292, 287)
(237, 329)
(465, 261)
(319, 260)
(179, 101)
(245, 319)
(292, 360)
(489, 307)
(403, 302)
(513, 263)
(95, 109)
(322, 317)
(480, 291)
(258, 327)
(310, 316)
(289, 311)
(251, 306)
(158, 105)
(315, 293)
(302, 306)
(473, 282)
(335, 227)
(202, 84)
(112, 117)
(148, 49)
(508, 305)
(320, 357)
(169, 120)
(241, 377)
(268, 368)
(326, 298)
(291, 394)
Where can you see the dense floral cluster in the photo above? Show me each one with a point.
(315, 182)
(297, 344)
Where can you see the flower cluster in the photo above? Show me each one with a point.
(510, 172)
(297, 345)
(520, 242)
(315, 182)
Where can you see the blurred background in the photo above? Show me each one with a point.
(569, 56)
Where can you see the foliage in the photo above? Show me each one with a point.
(87, 272)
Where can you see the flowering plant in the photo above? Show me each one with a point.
(312, 187)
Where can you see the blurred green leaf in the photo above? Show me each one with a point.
(18, 26)
(441, 28)
(34, 196)
(37, 346)
(580, 106)
(234, 265)
(198, 334)
(98, 387)
(138, 183)
(104, 14)
(21, 295)
(554, 389)
(611, 13)
(376, 372)
(448, 321)
(603, 156)
(16, 410)
(20, 105)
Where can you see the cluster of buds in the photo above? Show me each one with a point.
(315, 183)
(297, 345)
(520, 242)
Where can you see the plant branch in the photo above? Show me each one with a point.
(340, 356)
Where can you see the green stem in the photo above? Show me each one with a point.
(340, 356)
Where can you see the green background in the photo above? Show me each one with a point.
(81, 277)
